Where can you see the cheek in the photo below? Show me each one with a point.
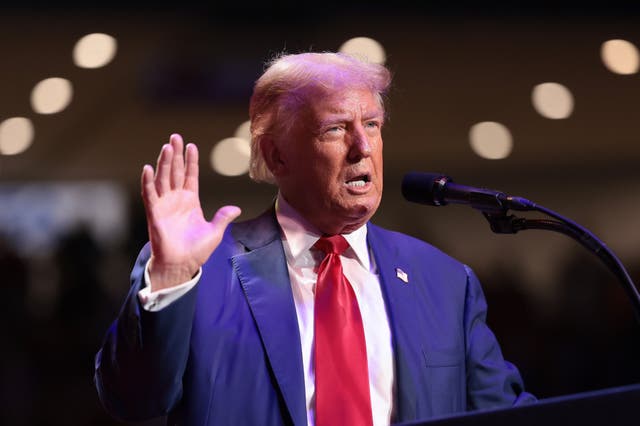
(377, 157)
(318, 172)
(330, 159)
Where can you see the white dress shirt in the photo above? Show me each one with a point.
(298, 238)
(359, 267)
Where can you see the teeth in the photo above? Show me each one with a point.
(356, 183)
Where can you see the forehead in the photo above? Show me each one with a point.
(352, 102)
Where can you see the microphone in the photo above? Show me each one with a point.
(436, 189)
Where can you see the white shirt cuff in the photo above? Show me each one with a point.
(160, 299)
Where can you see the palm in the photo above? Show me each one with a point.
(180, 232)
(181, 238)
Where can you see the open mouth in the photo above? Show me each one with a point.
(359, 181)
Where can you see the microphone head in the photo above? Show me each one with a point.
(424, 188)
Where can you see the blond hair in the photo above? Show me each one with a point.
(290, 81)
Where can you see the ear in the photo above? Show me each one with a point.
(273, 156)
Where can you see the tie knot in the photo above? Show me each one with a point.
(335, 244)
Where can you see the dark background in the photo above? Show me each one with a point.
(188, 68)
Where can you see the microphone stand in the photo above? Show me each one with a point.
(501, 223)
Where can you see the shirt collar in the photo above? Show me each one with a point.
(299, 235)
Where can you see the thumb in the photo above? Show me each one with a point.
(224, 216)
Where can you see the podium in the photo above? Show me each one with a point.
(608, 407)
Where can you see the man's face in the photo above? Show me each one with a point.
(332, 161)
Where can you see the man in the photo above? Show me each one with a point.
(236, 324)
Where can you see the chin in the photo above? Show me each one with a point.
(363, 211)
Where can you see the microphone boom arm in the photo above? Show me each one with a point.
(437, 189)
(501, 223)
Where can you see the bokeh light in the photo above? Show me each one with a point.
(94, 50)
(244, 131)
(51, 95)
(552, 100)
(491, 140)
(230, 156)
(16, 135)
(365, 48)
(620, 56)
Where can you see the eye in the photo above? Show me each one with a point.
(333, 130)
(372, 125)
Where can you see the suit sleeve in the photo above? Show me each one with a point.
(139, 369)
(492, 382)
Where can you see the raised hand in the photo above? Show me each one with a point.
(181, 238)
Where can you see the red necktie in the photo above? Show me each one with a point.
(342, 374)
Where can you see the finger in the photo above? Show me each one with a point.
(223, 217)
(163, 170)
(149, 194)
(177, 164)
(191, 175)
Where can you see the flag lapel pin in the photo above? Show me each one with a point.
(402, 275)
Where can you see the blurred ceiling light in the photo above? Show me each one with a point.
(51, 95)
(620, 56)
(552, 100)
(244, 131)
(94, 50)
(490, 140)
(16, 135)
(366, 48)
(230, 156)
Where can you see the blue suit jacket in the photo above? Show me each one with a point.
(228, 352)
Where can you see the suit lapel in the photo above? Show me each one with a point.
(401, 308)
(265, 280)
(263, 273)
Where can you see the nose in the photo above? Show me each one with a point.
(360, 146)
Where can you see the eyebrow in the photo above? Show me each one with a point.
(341, 116)
(337, 117)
